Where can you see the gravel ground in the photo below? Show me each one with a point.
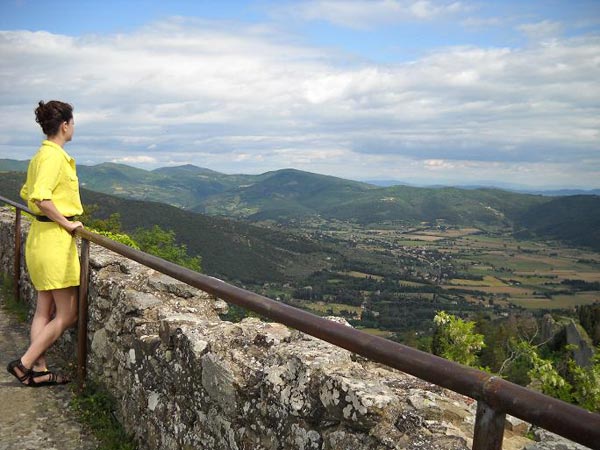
(34, 418)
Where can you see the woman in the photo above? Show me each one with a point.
(52, 193)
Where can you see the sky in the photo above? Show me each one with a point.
(422, 92)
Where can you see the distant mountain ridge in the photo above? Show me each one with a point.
(290, 194)
(491, 185)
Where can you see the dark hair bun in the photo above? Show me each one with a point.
(51, 115)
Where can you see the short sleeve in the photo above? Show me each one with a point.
(47, 176)
(23, 192)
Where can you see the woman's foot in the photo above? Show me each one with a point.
(20, 372)
(48, 378)
(36, 373)
(40, 365)
(39, 368)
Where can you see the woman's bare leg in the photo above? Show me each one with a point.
(65, 301)
(43, 314)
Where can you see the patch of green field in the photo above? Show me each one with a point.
(377, 332)
(422, 295)
(424, 237)
(562, 301)
(512, 291)
(411, 243)
(513, 262)
(337, 308)
(488, 281)
(410, 283)
(576, 275)
(532, 280)
(356, 274)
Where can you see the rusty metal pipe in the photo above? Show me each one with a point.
(82, 323)
(17, 261)
(489, 428)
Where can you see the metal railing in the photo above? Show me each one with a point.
(495, 397)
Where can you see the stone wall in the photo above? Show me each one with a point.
(184, 379)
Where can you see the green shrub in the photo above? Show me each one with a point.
(18, 308)
(96, 408)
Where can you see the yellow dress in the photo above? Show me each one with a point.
(51, 251)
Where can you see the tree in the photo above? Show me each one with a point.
(161, 243)
(586, 383)
(455, 339)
(111, 227)
(559, 376)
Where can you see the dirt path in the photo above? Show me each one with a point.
(34, 418)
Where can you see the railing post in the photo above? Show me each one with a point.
(489, 428)
(17, 259)
(82, 323)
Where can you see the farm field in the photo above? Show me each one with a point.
(401, 276)
(491, 266)
(532, 275)
(558, 301)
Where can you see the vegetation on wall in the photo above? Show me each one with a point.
(161, 243)
(553, 372)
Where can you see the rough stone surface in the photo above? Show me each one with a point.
(185, 379)
(584, 349)
(551, 441)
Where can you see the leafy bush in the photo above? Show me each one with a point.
(561, 377)
(161, 243)
(455, 339)
(96, 409)
(18, 308)
(118, 237)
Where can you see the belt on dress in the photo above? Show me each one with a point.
(48, 219)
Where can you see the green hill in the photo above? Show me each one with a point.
(456, 206)
(185, 170)
(229, 249)
(293, 194)
(283, 194)
(12, 165)
(289, 194)
(574, 219)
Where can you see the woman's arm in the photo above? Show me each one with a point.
(49, 209)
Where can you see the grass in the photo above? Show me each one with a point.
(410, 283)
(95, 408)
(18, 308)
(377, 332)
(412, 243)
(323, 307)
(356, 274)
(558, 301)
(488, 281)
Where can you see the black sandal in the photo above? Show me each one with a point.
(53, 379)
(17, 364)
(39, 373)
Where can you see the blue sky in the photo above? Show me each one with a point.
(427, 92)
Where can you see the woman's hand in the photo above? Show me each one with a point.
(72, 226)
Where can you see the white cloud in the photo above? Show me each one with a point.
(543, 30)
(364, 14)
(249, 99)
(482, 23)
